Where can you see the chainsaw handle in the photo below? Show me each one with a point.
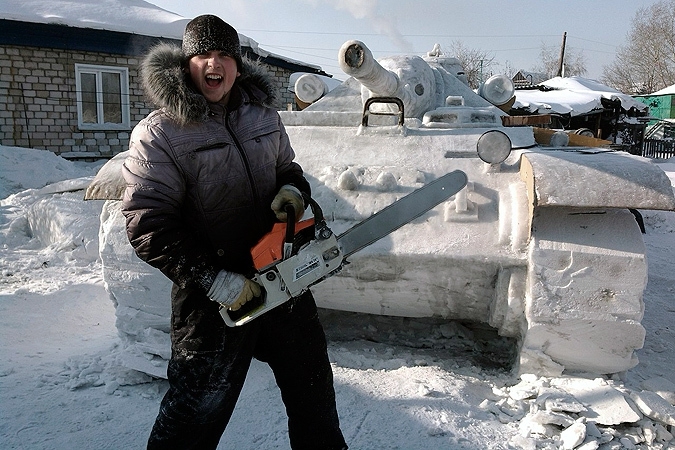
(290, 223)
(316, 209)
(246, 312)
(287, 247)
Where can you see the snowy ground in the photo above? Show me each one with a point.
(401, 383)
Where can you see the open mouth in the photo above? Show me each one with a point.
(213, 80)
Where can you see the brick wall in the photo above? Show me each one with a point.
(38, 105)
(280, 77)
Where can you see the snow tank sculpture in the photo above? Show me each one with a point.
(541, 244)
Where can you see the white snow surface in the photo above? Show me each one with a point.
(400, 383)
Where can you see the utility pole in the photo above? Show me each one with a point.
(561, 61)
(481, 72)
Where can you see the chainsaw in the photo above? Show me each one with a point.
(292, 257)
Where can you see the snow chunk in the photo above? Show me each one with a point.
(665, 388)
(573, 436)
(605, 405)
(654, 406)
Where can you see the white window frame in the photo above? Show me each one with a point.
(98, 70)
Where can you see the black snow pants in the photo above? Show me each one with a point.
(204, 386)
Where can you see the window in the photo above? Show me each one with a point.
(102, 97)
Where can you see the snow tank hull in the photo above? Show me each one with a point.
(542, 245)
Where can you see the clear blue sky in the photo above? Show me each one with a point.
(511, 30)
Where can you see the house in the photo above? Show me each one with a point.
(661, 103)
(71, 86)
(660, 135)
(524, 78)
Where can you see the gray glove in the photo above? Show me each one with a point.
(288, 194)
(232, 290)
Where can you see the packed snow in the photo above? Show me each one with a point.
(400, 383)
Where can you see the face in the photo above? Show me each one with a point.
(213, 74)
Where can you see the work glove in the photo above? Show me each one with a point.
(232, 290)
(288, 194)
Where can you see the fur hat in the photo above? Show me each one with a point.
(206, 33)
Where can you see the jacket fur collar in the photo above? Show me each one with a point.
(168, 87)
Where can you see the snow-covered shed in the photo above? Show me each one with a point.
(587, 106)
(68, 71)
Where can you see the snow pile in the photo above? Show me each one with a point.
(25, 169)
(574, 412)
(400, 383)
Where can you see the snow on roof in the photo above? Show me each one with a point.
(127, 16)
(571, 95)
(665, 91)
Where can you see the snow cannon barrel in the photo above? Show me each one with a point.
(356, 60)
(308, 89)
(498, 90)
(409, 78)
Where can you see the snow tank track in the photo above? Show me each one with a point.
(586, 277)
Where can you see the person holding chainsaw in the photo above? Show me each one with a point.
(207, 175)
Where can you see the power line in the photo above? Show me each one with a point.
(318, 53)
(513, 49)
(426, 35)
(595, 42)
(344, 33)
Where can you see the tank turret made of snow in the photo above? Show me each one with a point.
(541, 244)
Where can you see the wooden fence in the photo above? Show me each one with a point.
(658, 148)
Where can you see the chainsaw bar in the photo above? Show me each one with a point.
(401, 212)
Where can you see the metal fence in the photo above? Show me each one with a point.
(658, 148)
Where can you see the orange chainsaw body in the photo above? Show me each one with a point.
(269, 248)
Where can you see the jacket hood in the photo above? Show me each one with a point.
(169, 87)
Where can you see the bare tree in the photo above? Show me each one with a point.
(478, 64)
(574, 61)
(647, 63)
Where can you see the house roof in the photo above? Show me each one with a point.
(104, 23)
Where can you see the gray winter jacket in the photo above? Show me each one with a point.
(200, 179)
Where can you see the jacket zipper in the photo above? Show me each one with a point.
(249, 173)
